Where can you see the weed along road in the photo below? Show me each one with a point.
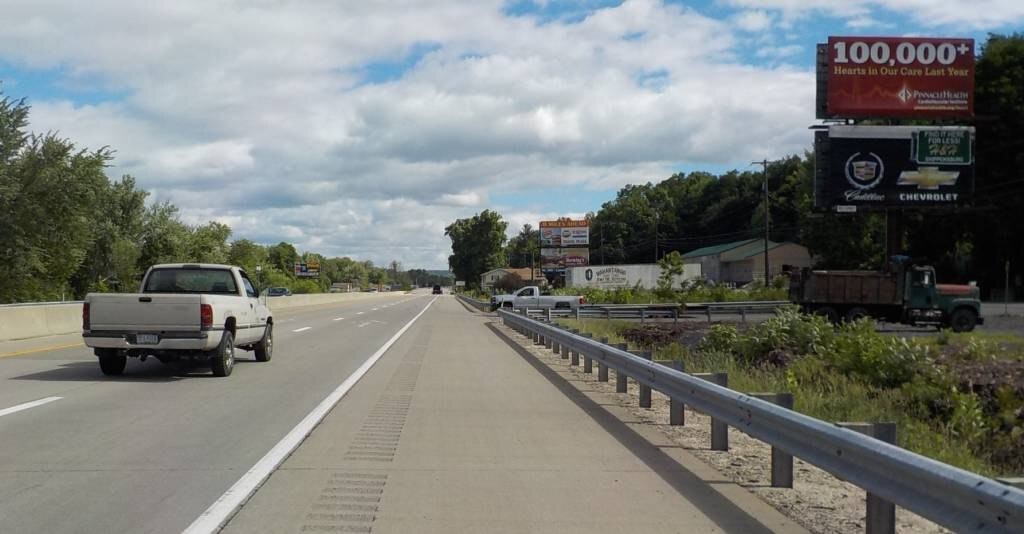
(407, 414)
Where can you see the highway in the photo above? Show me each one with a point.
(455, 429)
(151, 450)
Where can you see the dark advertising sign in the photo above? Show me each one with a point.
(893, 166)
(897, 77)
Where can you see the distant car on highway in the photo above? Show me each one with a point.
(279, 292)
(437, 290)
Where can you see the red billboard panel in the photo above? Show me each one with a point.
(910, 77)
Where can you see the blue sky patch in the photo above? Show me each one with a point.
(389, 70)
(39, 85)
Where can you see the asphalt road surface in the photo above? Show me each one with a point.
(151, 450)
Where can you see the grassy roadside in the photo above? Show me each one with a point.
(952, 396)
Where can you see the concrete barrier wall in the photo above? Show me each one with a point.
(22, 322)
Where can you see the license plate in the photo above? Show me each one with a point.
(146, 339)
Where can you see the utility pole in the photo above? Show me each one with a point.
(767, 219)
(657, 217)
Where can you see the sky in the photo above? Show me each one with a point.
(363, 128)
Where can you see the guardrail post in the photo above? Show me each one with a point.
(547, 315)
(556, 347)
(719, 430)
(708, 310)
(620, 378)
(588, 364)
(577, 313)
(676, 410)
(602, 371)
(576, 355)
(782, 463)
(565, 348)
(743, 315)
(675, 315)
(547, 342)
(645, 391)
(643, 315)
(881, 514)
(608, 314)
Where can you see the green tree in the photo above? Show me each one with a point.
(282, 257)
(524, 249)
(477, 245)
(50, 196)
(209, 243)
(247, 254)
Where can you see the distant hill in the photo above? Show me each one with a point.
(441, 273)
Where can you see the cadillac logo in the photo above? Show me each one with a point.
(864, 171)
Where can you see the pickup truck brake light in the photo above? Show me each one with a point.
(85, 316)
(583, 300)
(206, 316)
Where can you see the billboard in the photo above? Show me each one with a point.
(564, 243)
(893, 166)
(910, 77)
(310, 269)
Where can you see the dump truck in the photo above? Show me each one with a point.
(904, 293)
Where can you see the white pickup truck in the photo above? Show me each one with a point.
(198, 312)
(530, 297)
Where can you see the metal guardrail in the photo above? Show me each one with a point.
(949, 496)
(742, 308)
(481, 305)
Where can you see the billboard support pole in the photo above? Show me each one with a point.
(893, 233)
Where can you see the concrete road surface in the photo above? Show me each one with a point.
(452, 430)
(456, 431)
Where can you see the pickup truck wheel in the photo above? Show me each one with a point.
(264, 350)
(963, 320)
(113, 363)
(223, 360)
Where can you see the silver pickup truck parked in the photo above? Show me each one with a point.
(530, 297)
(198, 312)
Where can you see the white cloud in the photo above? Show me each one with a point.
(753, 21)
(956, 14)
(256, 114)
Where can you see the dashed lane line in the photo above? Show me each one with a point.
(27, 405)
(303, 329)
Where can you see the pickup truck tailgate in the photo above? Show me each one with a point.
(144, 312)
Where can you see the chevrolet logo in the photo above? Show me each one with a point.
(928, 178)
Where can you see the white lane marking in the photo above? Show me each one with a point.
(375, 309)
(303, 329)
(339, 318)
(27, 405)
(220, 511)
(360, 313)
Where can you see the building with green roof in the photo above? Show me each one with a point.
(741, 262)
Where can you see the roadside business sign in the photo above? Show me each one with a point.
(942, 147)
(576, 257)
(893, 166)
(910, 77)
(309, 269)
(564, 243)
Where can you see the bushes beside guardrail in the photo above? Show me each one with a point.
(947, 407)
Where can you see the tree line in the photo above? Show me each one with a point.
(687, 211)
(67, 229)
